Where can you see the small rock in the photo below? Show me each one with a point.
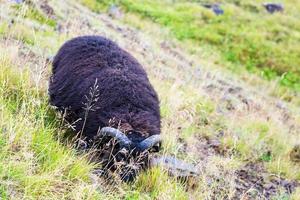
(214, 143)
(115, 12)
(59, 28)
(210, 87)
(295, 154)
(221, 134)
(281, 105)
(222, 82)
(175, 167)
(273, 7)
(215, 8)
(47, 9)
(227, 103)
(234, 90)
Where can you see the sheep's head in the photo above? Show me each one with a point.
(121, 154)
(128, 157)
(125, 142)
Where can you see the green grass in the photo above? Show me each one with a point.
(30, 156)
(36, 164)
(246, 35)
(31, 11)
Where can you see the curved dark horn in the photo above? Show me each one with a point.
(149, 142)
(118, 135)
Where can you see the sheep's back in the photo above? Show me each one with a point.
(94, 69)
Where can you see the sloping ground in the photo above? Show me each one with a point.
(245, 35)
(239, 137)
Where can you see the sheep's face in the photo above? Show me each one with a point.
(122, 155)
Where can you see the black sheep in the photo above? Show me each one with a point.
(98, 84)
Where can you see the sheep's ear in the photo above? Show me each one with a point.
(174, 166)
(118, 135)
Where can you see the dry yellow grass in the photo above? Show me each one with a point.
(211, 117)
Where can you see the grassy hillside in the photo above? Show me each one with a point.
(246, 35)
(236, 127)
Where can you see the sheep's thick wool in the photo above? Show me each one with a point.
(99, 84)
